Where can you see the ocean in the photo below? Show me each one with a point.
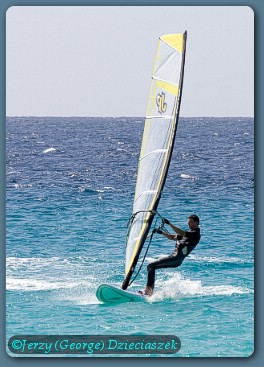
(70, 186)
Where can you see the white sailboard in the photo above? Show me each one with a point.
(157, 145)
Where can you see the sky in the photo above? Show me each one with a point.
(97, 61)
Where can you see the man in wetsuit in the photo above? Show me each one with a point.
(185, 243)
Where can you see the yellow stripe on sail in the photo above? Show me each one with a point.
(152, 98)
(174, 40)
(168, 87)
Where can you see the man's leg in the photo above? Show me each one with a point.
(166, 262)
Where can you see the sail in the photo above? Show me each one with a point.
(157, 143)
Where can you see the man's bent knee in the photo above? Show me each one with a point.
(150, 266)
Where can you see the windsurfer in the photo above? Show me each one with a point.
(186, 241)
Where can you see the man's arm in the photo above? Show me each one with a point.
(176, 229)
(168, 235)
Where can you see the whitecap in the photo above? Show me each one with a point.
(22, 186)
(49, 150)
(109, 188)
(81, 189)
(184, 176)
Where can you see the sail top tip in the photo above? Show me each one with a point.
(170, 35)
(175, 40)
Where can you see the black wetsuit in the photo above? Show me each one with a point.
(184, 245)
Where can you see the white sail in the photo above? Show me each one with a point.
(157, 143)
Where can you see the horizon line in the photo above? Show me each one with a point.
(121, 116)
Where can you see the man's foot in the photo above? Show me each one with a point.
(148, 291)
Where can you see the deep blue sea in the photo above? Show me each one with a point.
(70, 188)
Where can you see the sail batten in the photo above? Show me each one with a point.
(164, 80)
(147, 192)
(156, 151)
(159, 117)
(157, 142)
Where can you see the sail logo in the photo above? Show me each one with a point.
(160, 101)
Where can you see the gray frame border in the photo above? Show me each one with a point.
(258, 355)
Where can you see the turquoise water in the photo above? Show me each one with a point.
(70, 187)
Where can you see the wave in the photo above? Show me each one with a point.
(177, 287)
(96, 191)
(36, 263)
(76, 280)
(209, 259)
(36, 274)
(21, 284)
(32, 262)
(219, 260)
